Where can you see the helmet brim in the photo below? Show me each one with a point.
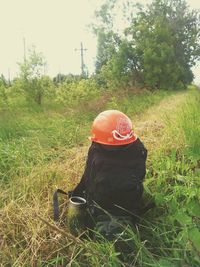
(114, 142)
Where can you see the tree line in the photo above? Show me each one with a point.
(156, 49)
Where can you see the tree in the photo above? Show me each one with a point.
(3, 80)
(118, 71)
(165, 38)
(160, 44)
(107, 40)
(107, 46)
(31, 73)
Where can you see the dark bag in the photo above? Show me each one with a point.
(114, 176)
(116, 192)
(115, 181)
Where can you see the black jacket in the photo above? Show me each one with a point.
(114, 175)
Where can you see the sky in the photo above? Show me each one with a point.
(56, 28)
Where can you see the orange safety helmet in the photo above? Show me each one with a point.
(112, 127)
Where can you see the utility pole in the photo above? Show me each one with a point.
(82, 59)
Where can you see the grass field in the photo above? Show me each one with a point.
(45, 148)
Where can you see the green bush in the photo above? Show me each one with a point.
(75, 93)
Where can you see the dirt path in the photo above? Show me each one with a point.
(151, 124)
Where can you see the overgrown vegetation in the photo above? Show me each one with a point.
(47, 148)
(157, 47)
(30, 134)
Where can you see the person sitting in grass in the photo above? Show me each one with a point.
(112, 182)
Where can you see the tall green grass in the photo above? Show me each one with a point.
(173, 179)
(41, 149)
(169, 235)
(31, 135)
(189, 121)
(133, 104)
